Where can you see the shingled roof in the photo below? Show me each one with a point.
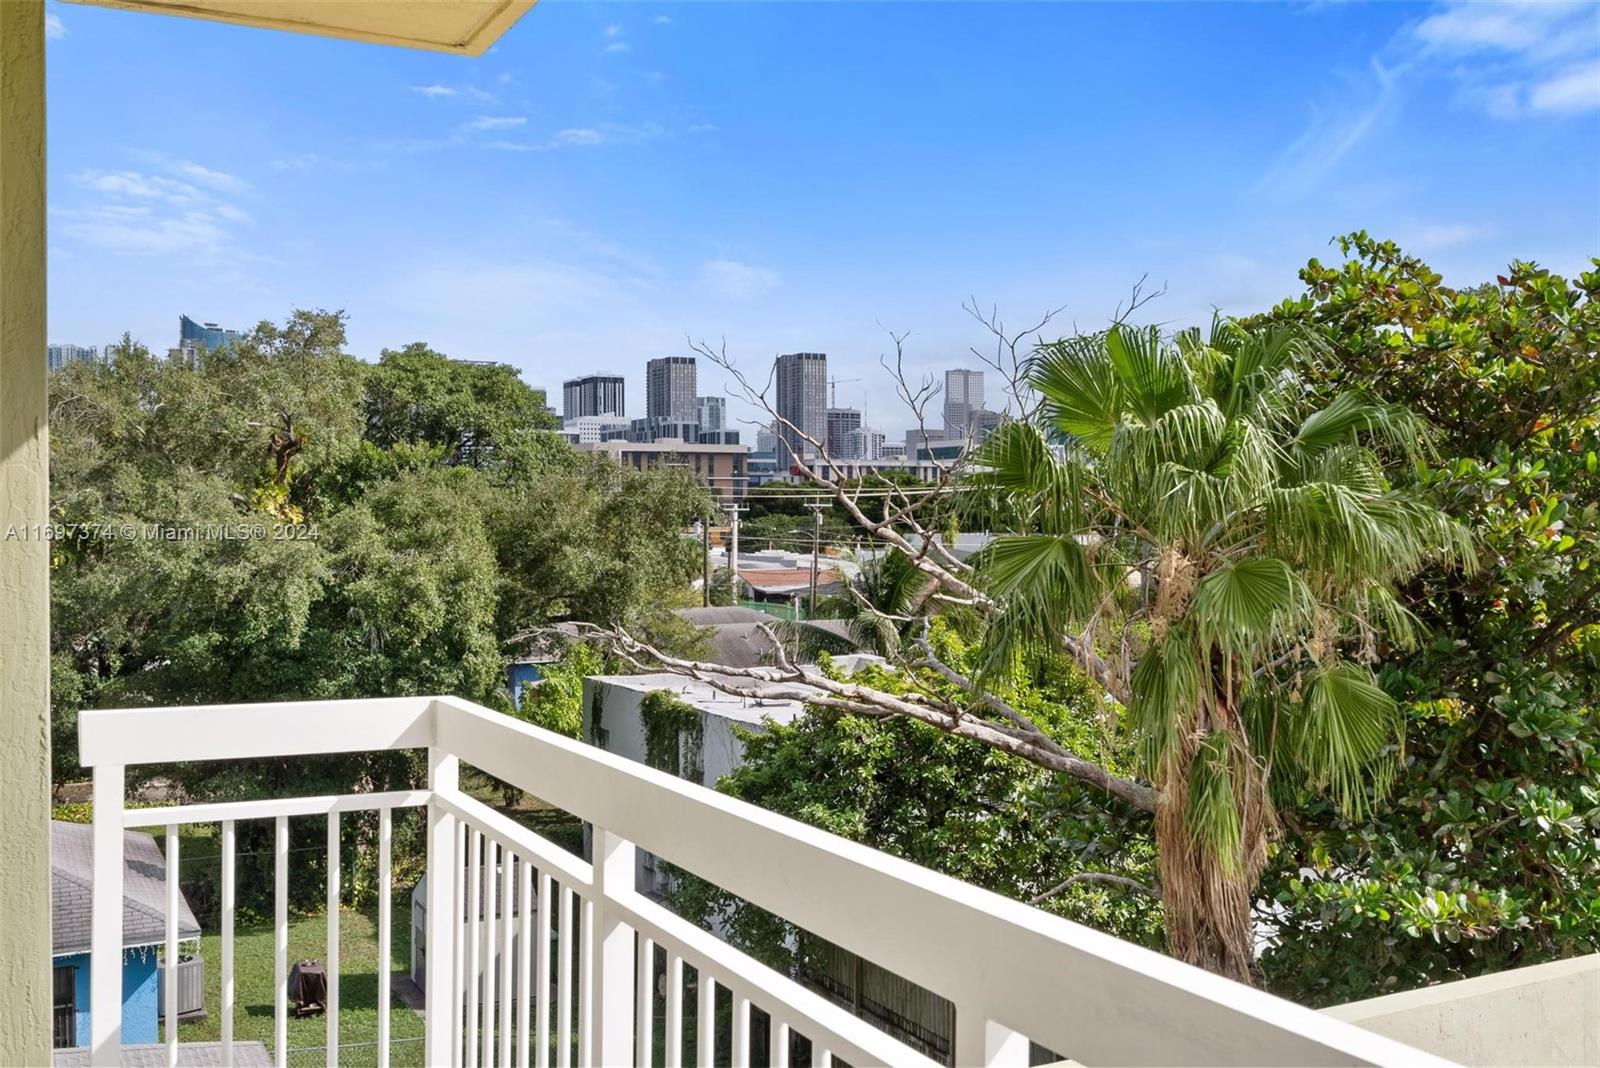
(144, 890)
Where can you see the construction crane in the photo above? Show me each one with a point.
(833, 384)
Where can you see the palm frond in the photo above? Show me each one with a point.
(1347, 734)
(1081, 395)
(1154, 378)
(1165, 692)
(1213, 813)
(1016, 465)
(1252, 604)
(1350, 417)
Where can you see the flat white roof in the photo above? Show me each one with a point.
(707, 698)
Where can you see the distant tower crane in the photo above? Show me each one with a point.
(833, 384)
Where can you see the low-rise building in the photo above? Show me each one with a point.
(588, 429)
(923, 468)
(722, 467)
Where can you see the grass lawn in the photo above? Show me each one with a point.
(358, 990)
(358, 955)
(253, 969)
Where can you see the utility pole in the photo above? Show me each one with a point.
(816, 547)
(733, 550)
(705, 561)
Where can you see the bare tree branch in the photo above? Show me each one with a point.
(1007, 362)
(1017, 736)
(1097, 877)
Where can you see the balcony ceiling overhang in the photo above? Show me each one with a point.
(465, 27)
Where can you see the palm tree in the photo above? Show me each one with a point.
(1231, 548)
(884, 605)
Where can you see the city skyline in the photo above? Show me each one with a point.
(616, 182)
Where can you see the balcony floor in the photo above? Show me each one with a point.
(190, 1055)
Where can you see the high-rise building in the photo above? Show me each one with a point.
(766, 439)
(981, 422)
(194, 339)
(864, 443)
(802, 401)
(592, 395)
(963, 395)
(713, 413)
(58, 356)
(669, 389)
(921, 437)
(841, 421)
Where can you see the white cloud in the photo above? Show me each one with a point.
(614, 30)
(1538, 29)
(436, 91)
(144, 213)
(1515, 60)
(139, 186)
(1335, 130)
(586, 137)
(661, 20)
(1438, 236)
(737, 281)
(206, 176)
(54, 28)
(1575, 90)
(497, 122)
(616, 46)
(579, 136)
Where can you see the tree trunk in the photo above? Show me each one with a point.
(1206, 895)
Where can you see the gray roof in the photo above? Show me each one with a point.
(144, 890)
(744, 645)
(705, 617)
(839, 628)
(190, 1055)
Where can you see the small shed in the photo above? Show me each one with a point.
(144, 927)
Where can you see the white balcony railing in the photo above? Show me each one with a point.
(1013, 973)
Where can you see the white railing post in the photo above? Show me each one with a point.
(385, 923)
(444, 926)
(332, 972)
(611, 950)
(105, 922)
(280, 941)
(981, 1041)
(170, 986)
(228, 843)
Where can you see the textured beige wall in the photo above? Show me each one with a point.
(24, 564)
(1542, 1014)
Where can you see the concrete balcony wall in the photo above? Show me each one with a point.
(1542, 1014)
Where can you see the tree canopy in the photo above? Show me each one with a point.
(394, 528)
(1488, 855)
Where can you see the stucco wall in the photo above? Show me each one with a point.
(24, 562)
(621, 719)
(139, 991)
(1543, 1014)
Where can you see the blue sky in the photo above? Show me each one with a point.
(613, 178)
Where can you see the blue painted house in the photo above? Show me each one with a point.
(144, 928)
